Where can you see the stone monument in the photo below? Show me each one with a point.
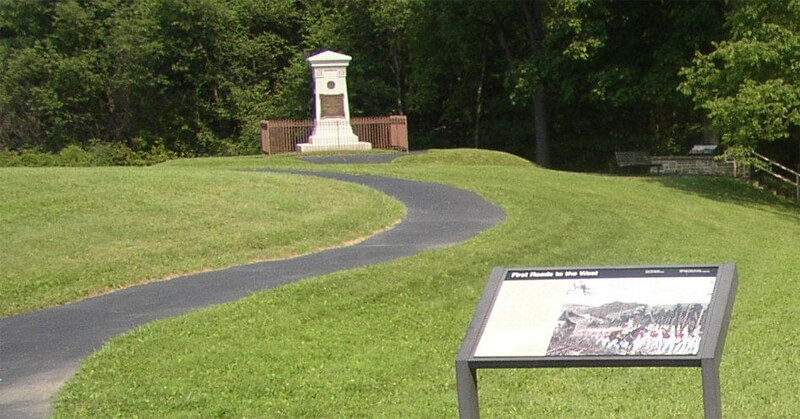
(332, 130)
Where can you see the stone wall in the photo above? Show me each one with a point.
(696, 165)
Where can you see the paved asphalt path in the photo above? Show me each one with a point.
(39, 351)
(359, 158)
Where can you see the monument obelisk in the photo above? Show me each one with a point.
(332, 130)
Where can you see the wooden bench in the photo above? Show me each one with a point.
(636, 159)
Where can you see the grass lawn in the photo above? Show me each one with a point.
(68, 233)
(381, 341)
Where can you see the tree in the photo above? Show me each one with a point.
(456, 96)
(193, 75)
(590, 76)
(520, 31)
(484, 58)
(566, 82)
(750, 83)
(52, 56)
(613, 73)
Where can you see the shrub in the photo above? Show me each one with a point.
(75, 156)
(98, 154)
(9, 158)
(239, 148)
(156, 154)
(106, 154)
(36, 158)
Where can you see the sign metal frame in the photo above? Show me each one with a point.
(708, 357)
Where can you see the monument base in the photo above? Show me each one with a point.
(333, 134)
(310, 148)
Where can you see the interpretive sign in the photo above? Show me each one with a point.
(600, 317)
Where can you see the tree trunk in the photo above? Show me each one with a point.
(540, 122)
(393, 50)
(533, 21)
(479, 104)
(501, 38)
(535, 32)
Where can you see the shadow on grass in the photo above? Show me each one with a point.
(731, 191)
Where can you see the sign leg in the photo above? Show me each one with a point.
(712, 397)
(467, 383)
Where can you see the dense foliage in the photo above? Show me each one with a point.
(186, 74)
(750, 83)
(567, 82)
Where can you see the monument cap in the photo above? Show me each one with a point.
(329, 59)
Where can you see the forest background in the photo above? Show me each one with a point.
(565, 83)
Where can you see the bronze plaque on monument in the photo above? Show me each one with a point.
(332, 106)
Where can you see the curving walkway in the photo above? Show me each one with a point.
(39, 351)
(360, 158)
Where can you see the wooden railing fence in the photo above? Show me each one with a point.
(383, 132)
(780, 172)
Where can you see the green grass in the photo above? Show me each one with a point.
(280, 161)
(465, 157)
(66, 234)
(381, 341)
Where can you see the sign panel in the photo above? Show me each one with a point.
(704, 150)
(591, 312)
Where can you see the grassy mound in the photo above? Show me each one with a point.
(465, 157)
(381, 341)
(66, 234)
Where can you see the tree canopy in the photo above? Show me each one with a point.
(563, 82)
(750, 83)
